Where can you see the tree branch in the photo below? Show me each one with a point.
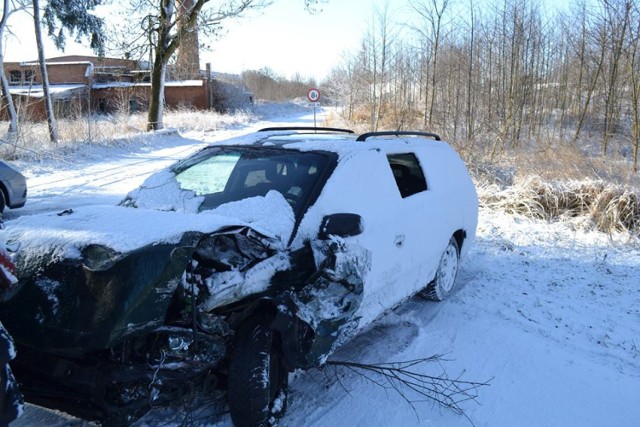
(406, 378)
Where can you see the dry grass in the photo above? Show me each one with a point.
(33, 139)
(609, 208)
(562, 182)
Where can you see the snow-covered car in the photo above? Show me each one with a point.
(13, 187)
(254, 257)
(11, 403)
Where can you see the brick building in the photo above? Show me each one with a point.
(81, 84)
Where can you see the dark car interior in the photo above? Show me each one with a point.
(293, 174)
(407, 173)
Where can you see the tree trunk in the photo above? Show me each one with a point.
(12, 132)
(636, 118)
(166, 47)
(591, 90)
(634, 71)
(619, 39)
(51, 120)
(469, 112)
(156, 103)
(13, 116)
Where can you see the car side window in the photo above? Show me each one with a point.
(407, 173)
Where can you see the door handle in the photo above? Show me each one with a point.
(399, 240)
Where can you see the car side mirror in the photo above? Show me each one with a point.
(341, 225)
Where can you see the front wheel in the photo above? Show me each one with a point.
(258, 381)
(445, 279)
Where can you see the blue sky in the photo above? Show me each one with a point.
(284, 37)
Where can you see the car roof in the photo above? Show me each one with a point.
(340, 141)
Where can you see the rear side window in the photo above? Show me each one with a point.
(407, 173)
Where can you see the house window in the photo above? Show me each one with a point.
(407, 173)
(15, 77)
(134, 106)
(29, 76)
(62, 107)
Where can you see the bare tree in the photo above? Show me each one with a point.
(634, 73)
(377, 43)
(472, 37)
(8, 8)
(617, 22)
(589, 61)
(61, 17)
(511, 75)
(266, 84)
(170, 26)
(432, 14)
(343, 87)
(51, 120)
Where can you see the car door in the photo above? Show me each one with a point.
(420, 230)
(363, 184)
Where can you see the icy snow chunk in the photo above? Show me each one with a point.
(162, 192)
(271, 213)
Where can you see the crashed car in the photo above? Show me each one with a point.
(11, 402)
(248, 260)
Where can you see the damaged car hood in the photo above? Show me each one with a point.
(65, 234)
(93, 276)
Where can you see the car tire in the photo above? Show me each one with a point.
(444, 282)
(257, 380)
(3, 202)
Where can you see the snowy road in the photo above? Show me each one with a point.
(550, 315)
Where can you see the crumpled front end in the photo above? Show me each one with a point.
(331, 297)
(313, 305)
(114, 333)
(76, 306)
(99, 338)
(233, 264)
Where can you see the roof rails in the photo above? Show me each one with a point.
(365, 136)
(305, 128)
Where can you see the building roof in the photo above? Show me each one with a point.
(60, 91)
(178, 83)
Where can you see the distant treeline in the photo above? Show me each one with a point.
(266, 84)
(502, 73)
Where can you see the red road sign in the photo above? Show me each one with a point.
(313, 95)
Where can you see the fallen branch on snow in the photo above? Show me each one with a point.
(405, 378)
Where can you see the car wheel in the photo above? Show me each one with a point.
(3, 202)
(445, 279)
(257, 381)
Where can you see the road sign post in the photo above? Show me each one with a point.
(313, 95)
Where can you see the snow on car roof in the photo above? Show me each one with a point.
(340, 143)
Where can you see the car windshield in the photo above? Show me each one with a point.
(229, 174)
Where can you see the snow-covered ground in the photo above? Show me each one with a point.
(548, 315)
